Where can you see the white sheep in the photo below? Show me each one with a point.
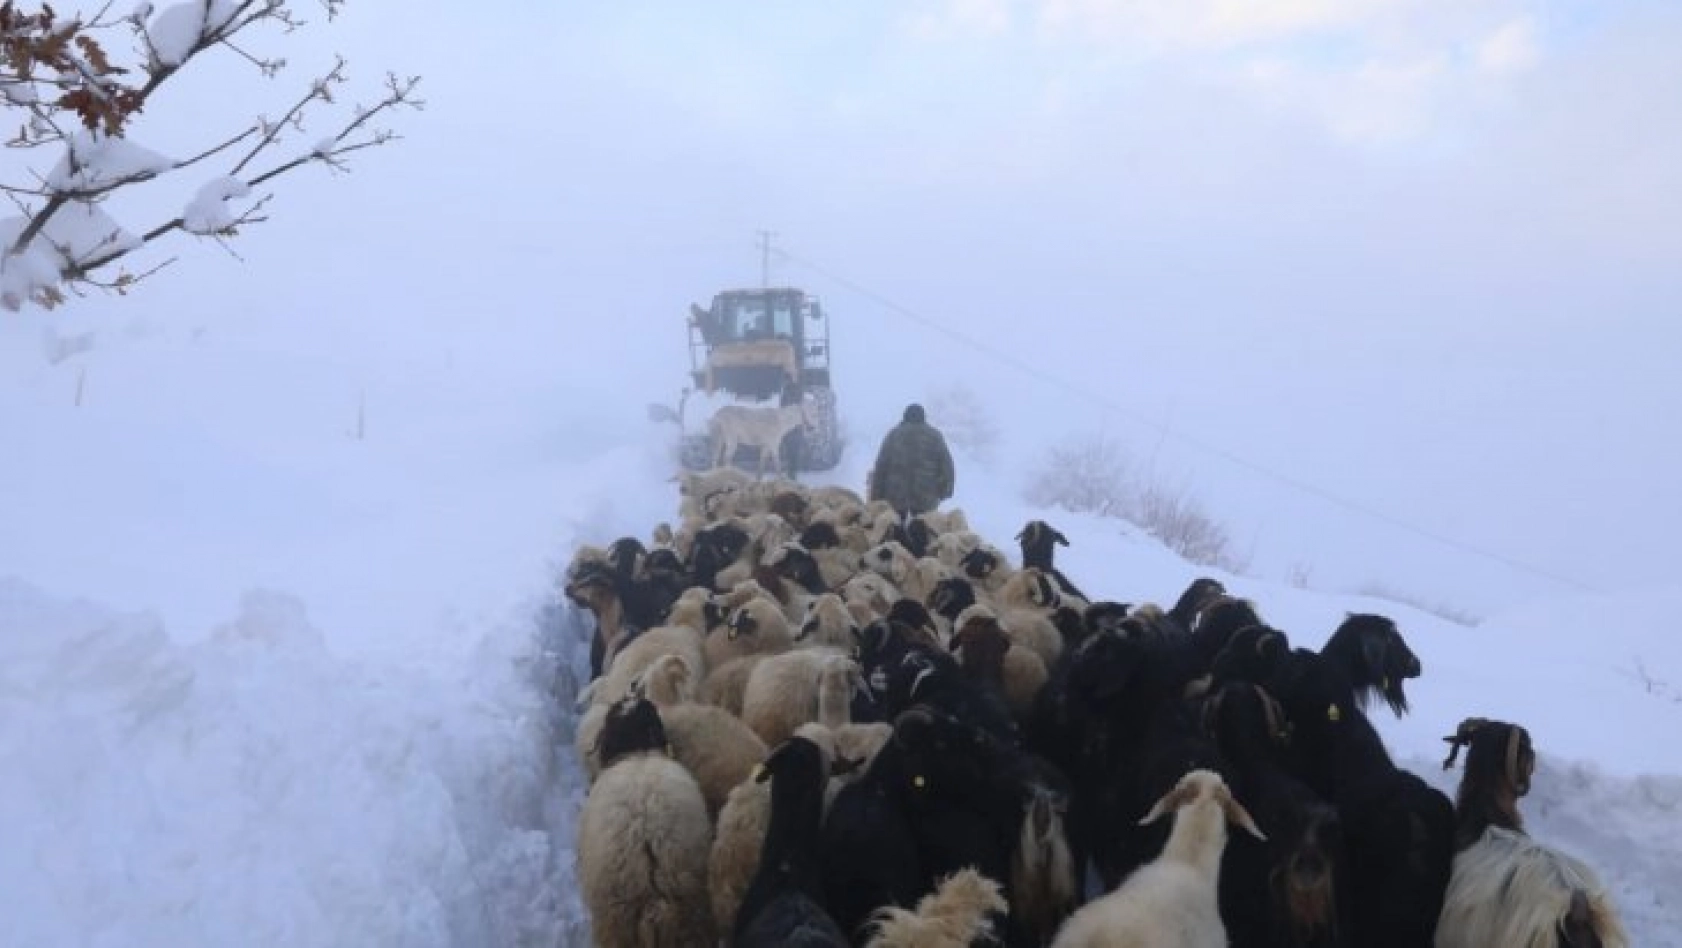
(698, 488)
(725, 684)
(871, 590)
(955, 915)
(782, 692)
(1171, 902)
(643, 845)
(737, 839)
(835, 497)
(644, 650)
(1027, 588)
(829, 624)
(617, 681)
(756, 627)
(990, 570)
(862, 612)
(763, 428)
(1510, 890)
(951, 520)
(717, 748)
(951, 548)
(855, 744)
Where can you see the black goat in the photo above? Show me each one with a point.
(870, 854)
(969, 795)
(783, 906)
(1371, 652)
(1499, 764)
(951, 596)
(933, 677)
(1399, 830)
(1290, 891)
(1367, 652)
(914, 615)
(715, 548)
(1253, 654)
(1202, 591)
(1192, 655)
(1039, 541)
(1113, 718)
(1104, 616)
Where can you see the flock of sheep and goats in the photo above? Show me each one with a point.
(815, 722)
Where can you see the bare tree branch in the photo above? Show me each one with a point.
(50, 68)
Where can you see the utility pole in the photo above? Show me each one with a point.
(765, 257)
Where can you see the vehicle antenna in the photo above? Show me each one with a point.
(765, 257)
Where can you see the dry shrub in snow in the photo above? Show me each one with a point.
(1089, 475)
(1095, 475)
(72, 97)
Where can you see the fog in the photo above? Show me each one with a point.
(1394, 288)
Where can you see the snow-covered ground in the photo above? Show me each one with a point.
(281, 661)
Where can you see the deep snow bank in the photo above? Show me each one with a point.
(253, 789)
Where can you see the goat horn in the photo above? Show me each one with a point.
(1275, 714)
(1462, 737)
(1520, 783)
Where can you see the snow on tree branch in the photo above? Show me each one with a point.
(71, 98)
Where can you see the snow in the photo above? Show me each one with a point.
(93, 161)
(24, 274)
(176, 30)
(78, 231)
(208, 211)
(272, 677)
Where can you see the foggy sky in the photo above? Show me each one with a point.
(1421, 256)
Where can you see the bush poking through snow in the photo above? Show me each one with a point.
(1095, 475)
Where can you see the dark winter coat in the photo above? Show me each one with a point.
(914, 467)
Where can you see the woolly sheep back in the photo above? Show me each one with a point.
(782, 692)
(643, 845)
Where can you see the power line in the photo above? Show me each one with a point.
(1058, 381)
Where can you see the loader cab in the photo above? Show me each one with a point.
(753, 343)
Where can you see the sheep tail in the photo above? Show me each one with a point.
(955, 915)
(1042, 883)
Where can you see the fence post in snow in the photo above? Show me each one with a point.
(361, 415)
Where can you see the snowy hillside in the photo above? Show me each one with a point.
(267, 679)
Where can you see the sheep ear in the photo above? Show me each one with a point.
(1237, 815)
(1058, 536)
(1171, 801)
